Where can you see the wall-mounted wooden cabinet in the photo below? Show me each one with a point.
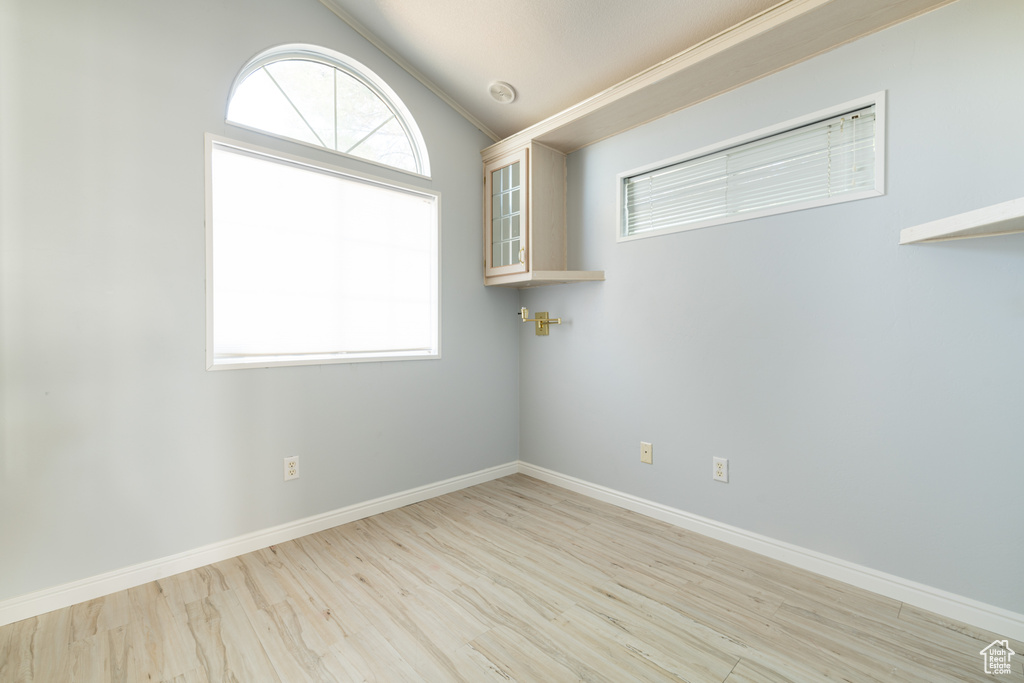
(524, 219)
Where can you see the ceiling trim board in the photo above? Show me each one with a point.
(789, 33)
(402, 62)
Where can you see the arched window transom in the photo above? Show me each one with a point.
(322, 98)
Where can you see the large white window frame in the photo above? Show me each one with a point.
(217, 361)
(877, 189)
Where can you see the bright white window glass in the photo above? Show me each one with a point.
(831, 159)
(321, 98)
(308, 264)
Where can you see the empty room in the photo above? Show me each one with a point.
(348, 340)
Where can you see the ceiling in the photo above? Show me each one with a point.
(555, 53)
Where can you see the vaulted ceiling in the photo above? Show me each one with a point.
(585, 69)
(555, 53)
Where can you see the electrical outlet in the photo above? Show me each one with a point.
(646, 453)
(721, 469)
(291, 468)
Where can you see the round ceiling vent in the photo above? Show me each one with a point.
(502, 92)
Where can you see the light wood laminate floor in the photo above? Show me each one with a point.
(513, 580)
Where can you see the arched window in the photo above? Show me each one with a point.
(310, 262)
(323, 98)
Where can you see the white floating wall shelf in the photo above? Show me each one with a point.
(998, 219)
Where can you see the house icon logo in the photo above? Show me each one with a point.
(997, 657)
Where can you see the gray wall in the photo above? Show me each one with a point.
(868, 396)
(118, 446)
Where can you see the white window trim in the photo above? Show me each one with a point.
(878, 99)
(355, 69)
(244, 147)
(344, 155)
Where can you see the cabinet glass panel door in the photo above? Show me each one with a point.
(506, 216)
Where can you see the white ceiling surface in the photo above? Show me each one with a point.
(555, 53)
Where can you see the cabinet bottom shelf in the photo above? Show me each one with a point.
(538, 278)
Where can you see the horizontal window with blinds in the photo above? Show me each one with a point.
(835, 157)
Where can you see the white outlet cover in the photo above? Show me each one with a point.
(646, 453)
(720, 469)
(291, 468)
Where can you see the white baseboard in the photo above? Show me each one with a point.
(996, 619)
(988, 617)
(69, 594)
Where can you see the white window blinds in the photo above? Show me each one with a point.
(311, 265)
(819, 163)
